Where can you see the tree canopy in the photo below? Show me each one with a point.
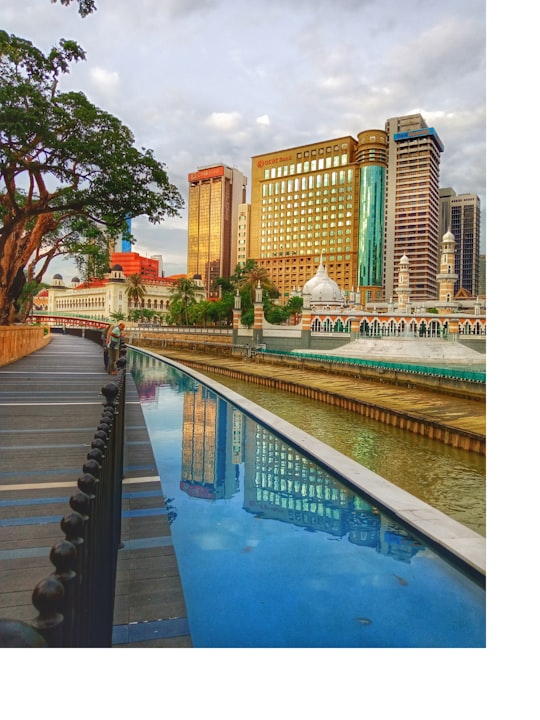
(69, 172)
(85, 6)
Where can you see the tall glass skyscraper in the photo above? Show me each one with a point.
(215, 194)
(371, 155)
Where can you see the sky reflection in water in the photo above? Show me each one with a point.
(273, 552)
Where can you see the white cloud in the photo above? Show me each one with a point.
(106, 82)
(263, 120)
(223, 121)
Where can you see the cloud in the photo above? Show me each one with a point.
(223, 121)
(106, 82)
(294, 73)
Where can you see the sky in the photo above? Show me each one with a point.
(203, 82)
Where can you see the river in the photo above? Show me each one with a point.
(451, 480)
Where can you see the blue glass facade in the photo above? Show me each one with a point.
(126, 244)
(371, 225)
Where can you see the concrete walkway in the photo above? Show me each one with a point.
(50, 406)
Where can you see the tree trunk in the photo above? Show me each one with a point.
(16, 249)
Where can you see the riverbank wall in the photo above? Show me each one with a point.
(395, 406)
(383, 372)
(18, 341)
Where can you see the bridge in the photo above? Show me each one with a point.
(69, 321)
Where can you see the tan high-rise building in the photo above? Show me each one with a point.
(215, 194)
(412, 205)
(304, 206)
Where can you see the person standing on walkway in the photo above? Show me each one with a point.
(113, 346)
(104, 343)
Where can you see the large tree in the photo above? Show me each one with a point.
(68, 170)
(85, 6)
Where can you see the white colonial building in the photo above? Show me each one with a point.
(102, 299)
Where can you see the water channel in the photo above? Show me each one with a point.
(275, 550)
(449, 479)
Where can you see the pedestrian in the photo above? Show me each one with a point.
(104, 342)
(114, 339)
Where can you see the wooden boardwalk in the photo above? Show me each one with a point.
(50, 406)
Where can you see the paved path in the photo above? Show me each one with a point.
(50, 406)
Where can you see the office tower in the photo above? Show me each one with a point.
(482, 276)
(412, 205)
(215, 193)
(241, 252)
(159, 260)
(372, 157)
(304, 207)
(463, 212)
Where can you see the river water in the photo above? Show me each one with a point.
(449, 479)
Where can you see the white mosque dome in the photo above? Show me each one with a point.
(321, 287)
(448, 236)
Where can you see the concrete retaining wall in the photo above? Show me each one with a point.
(17, 341)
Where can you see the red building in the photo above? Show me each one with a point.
(134, 264)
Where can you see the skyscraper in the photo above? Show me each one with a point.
(372, 157)
(215, 193)
(304, 206)
(461, 214)
(412, 205)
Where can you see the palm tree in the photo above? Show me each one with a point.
(255, 275)
(135, 290)
(183, 296)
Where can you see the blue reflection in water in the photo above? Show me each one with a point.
(274, 552)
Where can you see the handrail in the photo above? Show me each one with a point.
(475, 376)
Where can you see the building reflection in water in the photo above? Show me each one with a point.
(221, 446)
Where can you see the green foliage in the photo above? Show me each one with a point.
(86, 7)
(26, 298)
(69, 171)
(248, 317)
(141, 315)
(136, 289)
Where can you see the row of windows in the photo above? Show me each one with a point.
(306, 166)
(316, 222)
(308, 182)
(313, 194)
(300, 251)
(287, 243)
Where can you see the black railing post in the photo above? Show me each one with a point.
(81, 503)
(19, 634)
(73, 527)
(89, 485)
(63, 556)
(48, 599)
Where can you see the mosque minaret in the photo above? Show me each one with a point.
(447, 276)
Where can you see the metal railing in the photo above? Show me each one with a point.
(75, 603)
(467, 374)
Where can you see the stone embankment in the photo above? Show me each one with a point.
(456, 421)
